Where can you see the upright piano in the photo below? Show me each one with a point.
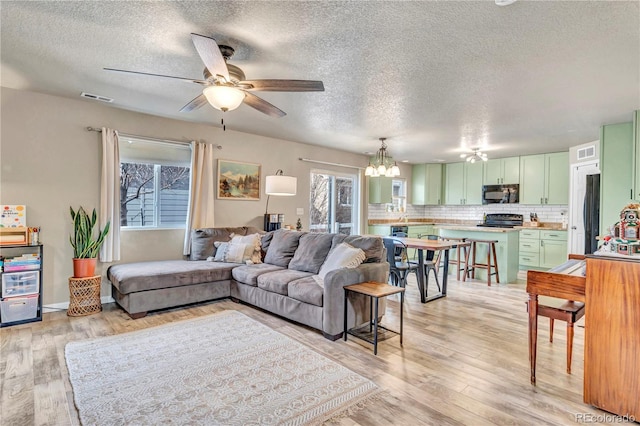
(566, 281)
(611, 292)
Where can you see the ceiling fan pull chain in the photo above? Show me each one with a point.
(224, 128)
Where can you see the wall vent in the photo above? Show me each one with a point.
(96, 97)
(587, 152)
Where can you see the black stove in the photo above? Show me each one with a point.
(502, 220)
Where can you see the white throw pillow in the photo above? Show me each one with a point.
(254, 240)
(232, 253)
(342, 256)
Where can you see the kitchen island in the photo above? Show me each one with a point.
(506, 248)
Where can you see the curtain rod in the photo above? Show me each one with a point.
(308, 160)
(126, 135)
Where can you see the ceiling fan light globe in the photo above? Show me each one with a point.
(224, 98)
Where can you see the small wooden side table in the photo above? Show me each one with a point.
(84, 296)
(374, 291)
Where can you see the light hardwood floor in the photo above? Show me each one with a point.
(464, 361)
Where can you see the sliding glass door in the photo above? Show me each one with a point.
(335, 202)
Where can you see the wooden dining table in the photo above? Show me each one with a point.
(433, 245)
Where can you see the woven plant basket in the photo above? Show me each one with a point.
(84, 296)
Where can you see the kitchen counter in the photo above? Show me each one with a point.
(476, 228)
(546, 227)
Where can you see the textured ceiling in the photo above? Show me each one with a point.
(432, 77)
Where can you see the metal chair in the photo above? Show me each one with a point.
(398, 270)
(431, 264)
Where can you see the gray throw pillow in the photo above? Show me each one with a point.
(311, 252)
(282, 247)
(202, 242)
(371, 245)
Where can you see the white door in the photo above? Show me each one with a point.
(578, 190)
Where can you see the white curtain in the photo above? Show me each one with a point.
(110, 195)
(200, 213)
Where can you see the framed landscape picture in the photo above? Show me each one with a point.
(238, 180)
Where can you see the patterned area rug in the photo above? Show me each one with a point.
(224, 369)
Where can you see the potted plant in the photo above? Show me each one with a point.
(85, 246)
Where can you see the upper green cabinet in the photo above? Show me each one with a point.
(502, 170)
(426, 184)
(463, 183)
(616, 171)
(544, 178)
(380, 189)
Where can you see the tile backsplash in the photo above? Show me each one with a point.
(545, 213)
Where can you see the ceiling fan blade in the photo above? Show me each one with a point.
(263, 106)
(210, 54)
(282, 85)
(195, 103)
(190, 80)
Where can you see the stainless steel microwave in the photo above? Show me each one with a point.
(500, 194)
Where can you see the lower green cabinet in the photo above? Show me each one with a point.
(543, 249)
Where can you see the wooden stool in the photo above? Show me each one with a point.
(459, 260)
(84, 296)
(491, 249)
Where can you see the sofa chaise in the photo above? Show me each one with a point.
(299, 276)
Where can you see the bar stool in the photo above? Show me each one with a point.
(459, 260)
(491, 249)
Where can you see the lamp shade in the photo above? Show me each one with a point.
(224, 98)
(281, 185)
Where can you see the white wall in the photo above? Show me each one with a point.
(49, 161)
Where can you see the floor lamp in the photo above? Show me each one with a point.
(278, 185)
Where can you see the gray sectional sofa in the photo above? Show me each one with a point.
(288, 282)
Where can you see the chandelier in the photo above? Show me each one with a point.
(476, 155)
(382, 164)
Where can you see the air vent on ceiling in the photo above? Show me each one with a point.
(587, 152)
(96, 97)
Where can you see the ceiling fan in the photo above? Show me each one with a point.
(225, 85)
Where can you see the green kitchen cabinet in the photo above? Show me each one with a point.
(382, 230)
(380, 189)
(616, 171)
(553, 248)
(426, 184)
(454, 183)
(463, 183)
(542, 249)
(473, 183)
(502, 171)
(544, 178)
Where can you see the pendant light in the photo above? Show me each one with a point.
(381, 165)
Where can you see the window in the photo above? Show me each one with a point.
(332, 206)
(399, 195)
(154, 183)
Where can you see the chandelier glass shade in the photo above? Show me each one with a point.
(381, 165)
(224, 98)
(476, 155)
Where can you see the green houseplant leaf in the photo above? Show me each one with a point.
(85, 245)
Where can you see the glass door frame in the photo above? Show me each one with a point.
(356, 199)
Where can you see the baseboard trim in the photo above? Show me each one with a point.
(63, 306)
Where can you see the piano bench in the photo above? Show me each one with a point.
(564, 310)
